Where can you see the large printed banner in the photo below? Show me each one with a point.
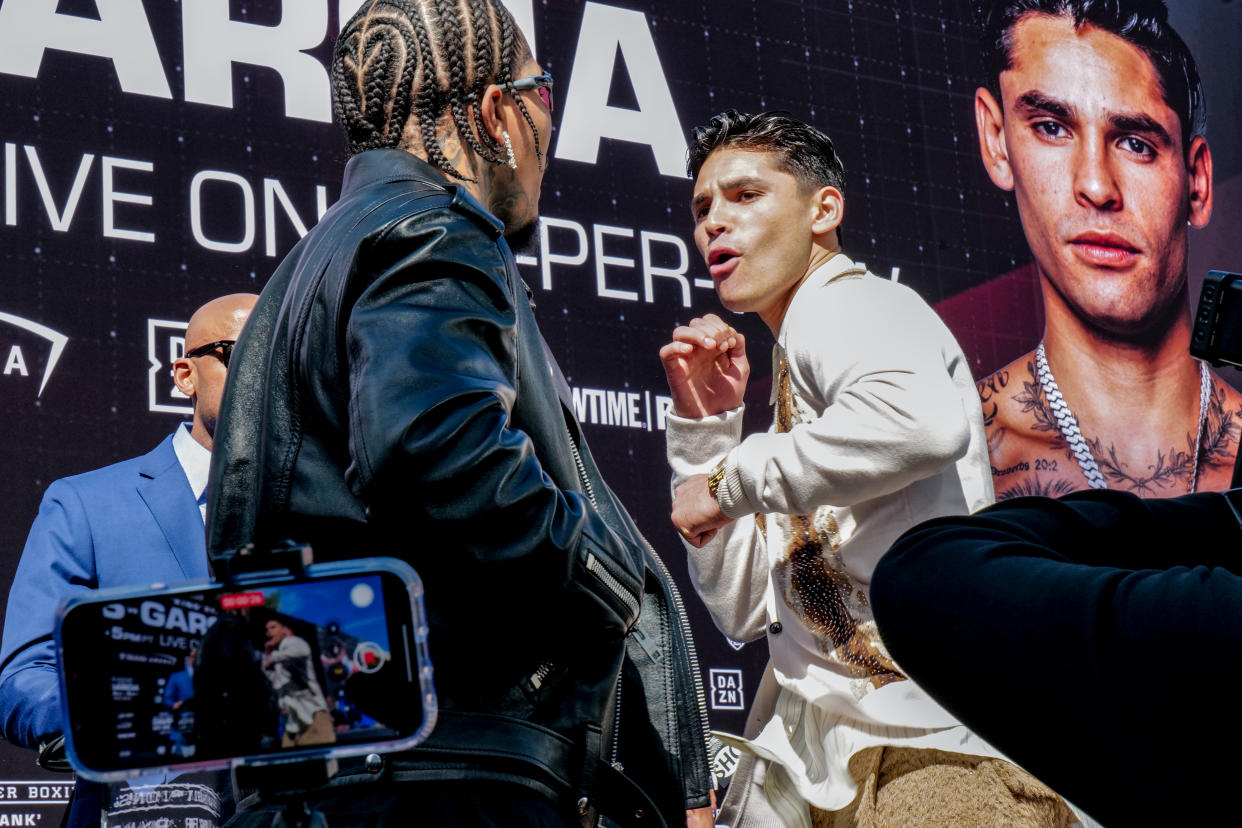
(155, 154)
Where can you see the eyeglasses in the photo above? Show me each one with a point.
(225, 346)
(540, 83)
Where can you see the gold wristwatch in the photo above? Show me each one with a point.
(714, 478)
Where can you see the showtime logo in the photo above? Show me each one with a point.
(25, 346)
(165, 345)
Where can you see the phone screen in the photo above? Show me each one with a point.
(251, 669)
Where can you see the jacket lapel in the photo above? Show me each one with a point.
(162, 485)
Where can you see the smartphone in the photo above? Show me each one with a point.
(274, 667)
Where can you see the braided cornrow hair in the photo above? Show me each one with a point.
(453, 48)
(509, 58)
(400, 64)
(483, 29)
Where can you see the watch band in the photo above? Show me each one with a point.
(713, 479)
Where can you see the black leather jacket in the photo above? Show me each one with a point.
(391, 394)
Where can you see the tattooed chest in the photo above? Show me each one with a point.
(1037, 477)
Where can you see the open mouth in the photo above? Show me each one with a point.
(721, 260)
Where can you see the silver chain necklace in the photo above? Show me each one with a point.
(1067, 423)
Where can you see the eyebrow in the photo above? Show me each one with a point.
(1142, 124)
(731, 184)
(1034, 103)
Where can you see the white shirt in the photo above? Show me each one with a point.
(195, 461)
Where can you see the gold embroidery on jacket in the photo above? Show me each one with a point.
(815, 583)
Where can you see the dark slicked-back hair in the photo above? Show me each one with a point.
(805, 152)
(1143, 23)
(400, 64)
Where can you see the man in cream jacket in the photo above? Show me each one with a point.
(876, 428)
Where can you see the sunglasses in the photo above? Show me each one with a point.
(540, 83)
(225, 346)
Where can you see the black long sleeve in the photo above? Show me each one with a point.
(1093, 639)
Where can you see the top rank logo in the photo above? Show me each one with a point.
(165, 345)
(23, 351)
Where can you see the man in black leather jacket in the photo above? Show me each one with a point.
(393, 395)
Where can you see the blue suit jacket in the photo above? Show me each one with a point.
(179, 688)
(132, 523)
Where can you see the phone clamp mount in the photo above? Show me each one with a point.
(289, 557)
(276, 782)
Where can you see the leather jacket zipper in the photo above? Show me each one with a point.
(615, 750)
(611, 582)
(593, 564)
(541, 673)
(700, 696)
(582, 475)
(679, 606)
(597, 568)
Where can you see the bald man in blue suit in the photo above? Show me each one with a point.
(136, 522)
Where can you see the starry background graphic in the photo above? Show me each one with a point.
(892, 81)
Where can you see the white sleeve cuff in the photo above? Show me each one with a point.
(695, 446)
(729, 493)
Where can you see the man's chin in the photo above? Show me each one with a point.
(1142, 327)
(522, 239)
(735, 302)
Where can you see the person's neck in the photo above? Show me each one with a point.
(1103, 377)
(198, 430)
(774, 315)
(491, 185)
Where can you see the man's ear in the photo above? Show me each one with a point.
(184, 377)
(491, 111)
(829, 210)
(990, 122)
(1199, 175)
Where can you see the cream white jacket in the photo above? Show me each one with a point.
(877, 427)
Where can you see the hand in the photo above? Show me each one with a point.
(701, 817)
(696, 514)
(706, 367)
